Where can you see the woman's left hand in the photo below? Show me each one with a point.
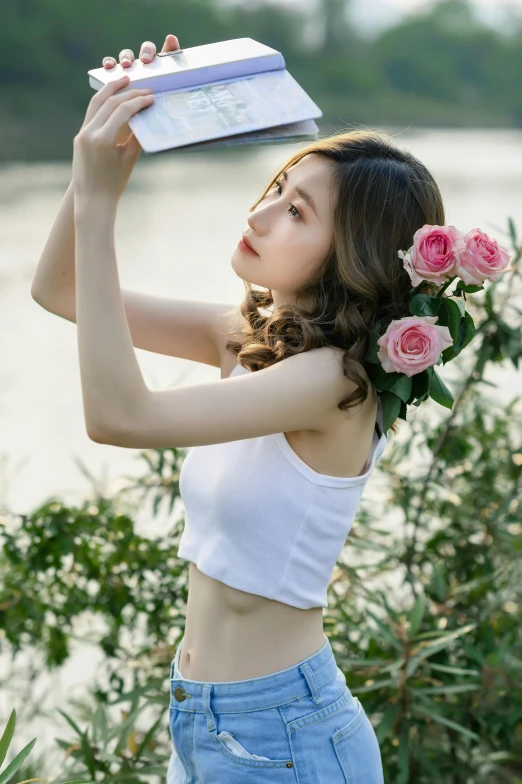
(101, 166)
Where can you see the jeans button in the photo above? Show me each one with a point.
(180, 694)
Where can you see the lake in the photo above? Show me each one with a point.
(178, 224)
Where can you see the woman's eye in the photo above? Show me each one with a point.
(293, 210)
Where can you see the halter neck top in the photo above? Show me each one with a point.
(261, 520)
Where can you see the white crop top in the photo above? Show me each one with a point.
(259, 519)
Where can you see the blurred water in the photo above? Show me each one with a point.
(177, 227)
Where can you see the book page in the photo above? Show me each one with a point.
(305, 130)
(220, 109)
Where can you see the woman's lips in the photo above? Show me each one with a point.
(242, 245)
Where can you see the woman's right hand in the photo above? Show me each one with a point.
(147, 55)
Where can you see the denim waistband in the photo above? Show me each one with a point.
(305, 678)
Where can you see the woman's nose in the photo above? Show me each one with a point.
(257, 221)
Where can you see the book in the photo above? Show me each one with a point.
(229, 92)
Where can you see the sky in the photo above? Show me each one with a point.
(370, 16)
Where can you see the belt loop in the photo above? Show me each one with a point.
(309, 676)
(211, 722)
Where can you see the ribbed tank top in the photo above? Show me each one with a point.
(259, 519)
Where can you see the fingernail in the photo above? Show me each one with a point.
(125, 60)
(145, 56)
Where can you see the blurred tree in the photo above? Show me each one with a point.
(338, 35)
(436, 67)
(448, 56)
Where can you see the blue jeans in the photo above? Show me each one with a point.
(301, 725)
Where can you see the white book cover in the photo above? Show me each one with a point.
(196, 105)
(194, 65)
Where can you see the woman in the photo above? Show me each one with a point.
(280, 456)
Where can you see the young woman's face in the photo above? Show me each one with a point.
(290, 235)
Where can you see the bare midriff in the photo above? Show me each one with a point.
(231, 635)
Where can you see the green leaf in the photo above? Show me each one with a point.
(386, 724)
(440, 392)
(420, 386)
(88, 756)
(512, 232)
(449, 316)
(364, 544)
(374, 686)
(63, 744)
(120, 729)
(356, 662)
(452, 670)
(461, 306)
(146, 770)
(17, 762)
(417, 614)
(440, 583)
(466, 332)
(394, 668)
(382, 379)
(488, 301)
(386, 631)
(434, 634)
(431, 714)
(470, 288)
(71, 722)
(425, 651)
(146, 740)
(402, 387)
(403, 755)
(7, 737)
(449, 689)
(106, 756)
(391, 407)
(126, 727)
(424, 305)
(470, 331)
(100, 725)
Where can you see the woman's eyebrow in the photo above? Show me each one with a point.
(303, 194)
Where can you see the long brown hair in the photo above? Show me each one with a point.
(383, 195)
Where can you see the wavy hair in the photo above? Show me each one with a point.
(383, 194)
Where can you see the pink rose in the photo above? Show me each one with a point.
(481, 258)
(433, 255)
(412, 344)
